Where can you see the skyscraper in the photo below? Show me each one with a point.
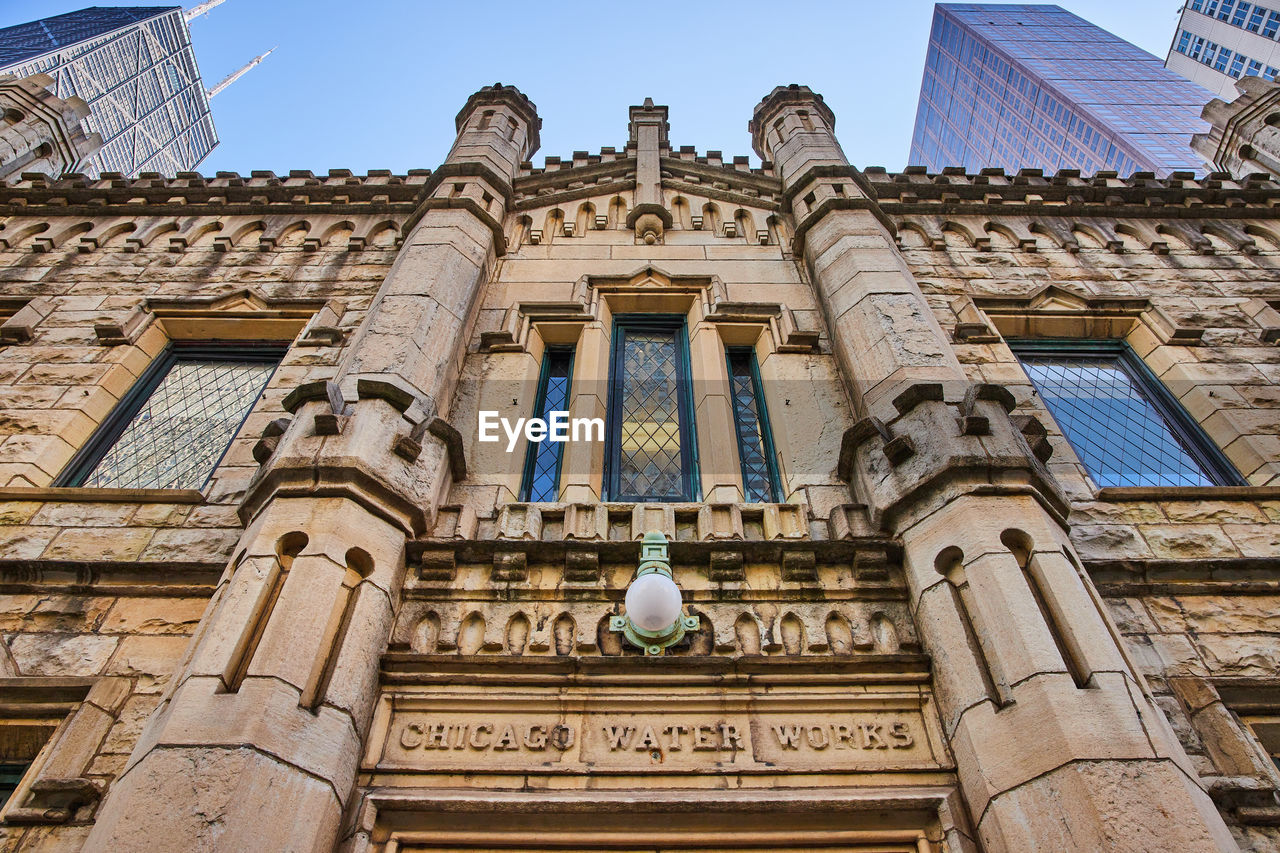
(1035, 86)
(1219, 41)
(135, 68)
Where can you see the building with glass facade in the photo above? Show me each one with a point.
(136, 69)
(1219, 41)
(1034, 86)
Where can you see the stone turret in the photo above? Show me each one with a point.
(1028, 669)
(1246, 132)
(40, 132)
(266, 719)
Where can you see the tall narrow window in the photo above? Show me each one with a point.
(751, 419)
(173, 427)
(542, 463)
(1125, 427)
(650, 454)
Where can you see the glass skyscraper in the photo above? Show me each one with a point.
(1034, 86)
(135, 68)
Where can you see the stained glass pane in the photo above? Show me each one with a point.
(542, 477)
(649, 450)
(1121, 438)
(180, 433)
(757, 475)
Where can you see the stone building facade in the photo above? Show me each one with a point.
(927, 618)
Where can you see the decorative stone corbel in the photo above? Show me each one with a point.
(581, 566)
(726, 566)
(1036, 435)
(973, 423)
(1169, 330)
(322, 330)
(20, 328)
(897, 449)
(799, 566)
(972, 325)
(270, 439)
(126, 331)
(409, 447)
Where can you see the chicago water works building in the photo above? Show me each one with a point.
(964, 485)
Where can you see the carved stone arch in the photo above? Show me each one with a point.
(1228, 237)
(681, 214)
(912, 235)
(193, 232)
(585, 219)
(1187, 236)
(285, 234)
(748, 633)
(145, 237)
(1137, 237)
(617, 216)
(471, 634)
(1059, 236)
(745, 224)
(60, 236)
(1087, 236)
(108, 234)
(960, 236)
(1270, 238)
(552, 225)
(426, 634)
(839, 633)
(21, 235)
(381, 234)
(337, 234)
(780, 234)
(711, 218)
(520, 231)
(1010, 235)
(791, 634)
(245, 234)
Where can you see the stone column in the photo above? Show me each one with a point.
(1057, 742)
(257, 744)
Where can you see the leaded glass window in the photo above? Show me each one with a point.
(175, 424)
(1126, 429)
(542, 464)
(650, 455)
(751, 420)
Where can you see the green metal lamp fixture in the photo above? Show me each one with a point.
(655, 618)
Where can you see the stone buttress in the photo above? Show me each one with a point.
(1057, 742)
(257, 743)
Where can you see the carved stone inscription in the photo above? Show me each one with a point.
(624, 740)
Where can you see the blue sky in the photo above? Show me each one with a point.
(376, 84)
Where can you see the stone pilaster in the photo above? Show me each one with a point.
(258, 742)
(1054, 734)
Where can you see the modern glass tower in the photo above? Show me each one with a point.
(135, 68)
(1034, 86)
(1219, 41)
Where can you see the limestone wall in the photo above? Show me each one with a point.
(1185, 272)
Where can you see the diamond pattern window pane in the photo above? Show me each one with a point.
(650, 456)
(757, 474)
(1121, 438)
(180, 433)
(542, 478)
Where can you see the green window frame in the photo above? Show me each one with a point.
(109, 459)
(756, 455)
(650, 450)
(1124, 425)
(543, 459)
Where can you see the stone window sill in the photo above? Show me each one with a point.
(59, 493)
(1120, 494)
